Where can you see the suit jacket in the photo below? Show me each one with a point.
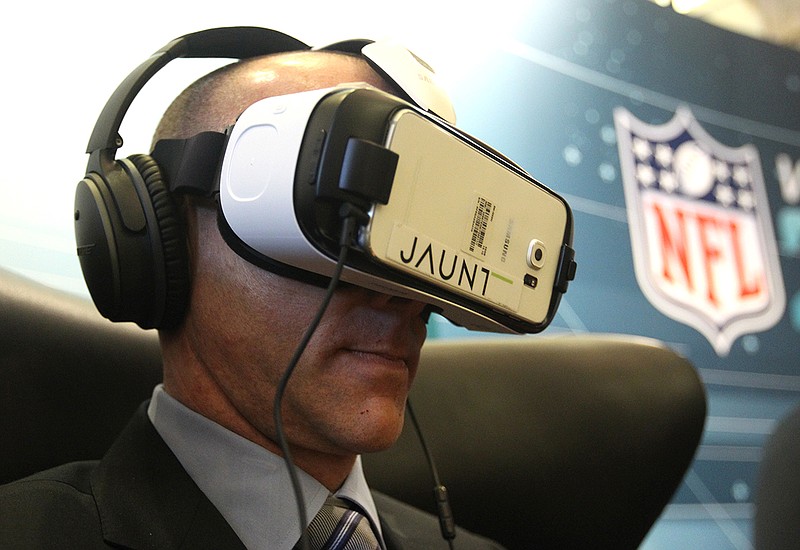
(139, 496)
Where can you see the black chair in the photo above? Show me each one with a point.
(69, 379)
(550, 442)
(543, 442)
(777, 498)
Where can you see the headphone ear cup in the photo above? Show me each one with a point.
(131, 244)
(172, 267)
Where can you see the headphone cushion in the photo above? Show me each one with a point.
(171, 235)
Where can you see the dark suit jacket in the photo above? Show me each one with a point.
(139, 496)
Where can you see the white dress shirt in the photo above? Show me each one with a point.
(249, 485)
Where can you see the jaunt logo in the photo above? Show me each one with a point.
(703, 244)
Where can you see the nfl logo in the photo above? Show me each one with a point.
(704, 248)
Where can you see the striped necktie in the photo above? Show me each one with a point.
(338, 526)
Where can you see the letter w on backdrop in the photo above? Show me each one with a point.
(703, 243)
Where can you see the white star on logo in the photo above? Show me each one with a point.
(641, 148)
(741, 176)
(664, 155)
(645, 174)
(746, 200)
(724, 194)
(668, 181)
(722, 171)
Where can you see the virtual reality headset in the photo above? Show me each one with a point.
(441, 217)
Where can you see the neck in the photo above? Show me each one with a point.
(329, 470)
(191, 384)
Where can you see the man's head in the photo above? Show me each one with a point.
(243, 323)
(216, 100)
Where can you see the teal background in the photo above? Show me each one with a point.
(545, 97)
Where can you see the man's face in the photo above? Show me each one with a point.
(348, 392)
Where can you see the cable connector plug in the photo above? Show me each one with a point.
(352, 217)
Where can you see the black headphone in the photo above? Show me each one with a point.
(129, 234)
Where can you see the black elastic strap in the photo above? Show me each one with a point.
(192, 165)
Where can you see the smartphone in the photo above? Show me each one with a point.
(470, 222)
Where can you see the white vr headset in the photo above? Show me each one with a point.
(443, 218)
(448, 221)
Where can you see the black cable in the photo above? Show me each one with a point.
(350, 218)
(443, 510)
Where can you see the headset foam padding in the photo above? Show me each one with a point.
(131, 244)
(171, 234)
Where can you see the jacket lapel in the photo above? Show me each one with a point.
(147, 500)
(406, 528)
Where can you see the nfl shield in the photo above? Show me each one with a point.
(704, 248)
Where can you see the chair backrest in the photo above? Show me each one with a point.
(777, 498)
(69, 379)
(550, 442)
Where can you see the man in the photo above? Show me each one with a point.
(199, 466)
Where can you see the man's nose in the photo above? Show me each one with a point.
(398, 303)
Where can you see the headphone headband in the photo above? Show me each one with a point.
(224, 42)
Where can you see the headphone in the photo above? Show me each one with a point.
(129, 233)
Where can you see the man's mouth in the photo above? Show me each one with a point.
(380, 357)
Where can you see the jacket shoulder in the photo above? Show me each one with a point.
(52, 509)
(410, 528)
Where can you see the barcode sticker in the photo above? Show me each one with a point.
(482, 216)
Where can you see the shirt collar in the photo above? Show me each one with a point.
(248, 484)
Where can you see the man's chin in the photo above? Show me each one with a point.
(380, 435)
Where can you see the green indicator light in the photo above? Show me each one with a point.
(504, 279)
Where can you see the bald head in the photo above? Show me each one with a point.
(216, 100)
